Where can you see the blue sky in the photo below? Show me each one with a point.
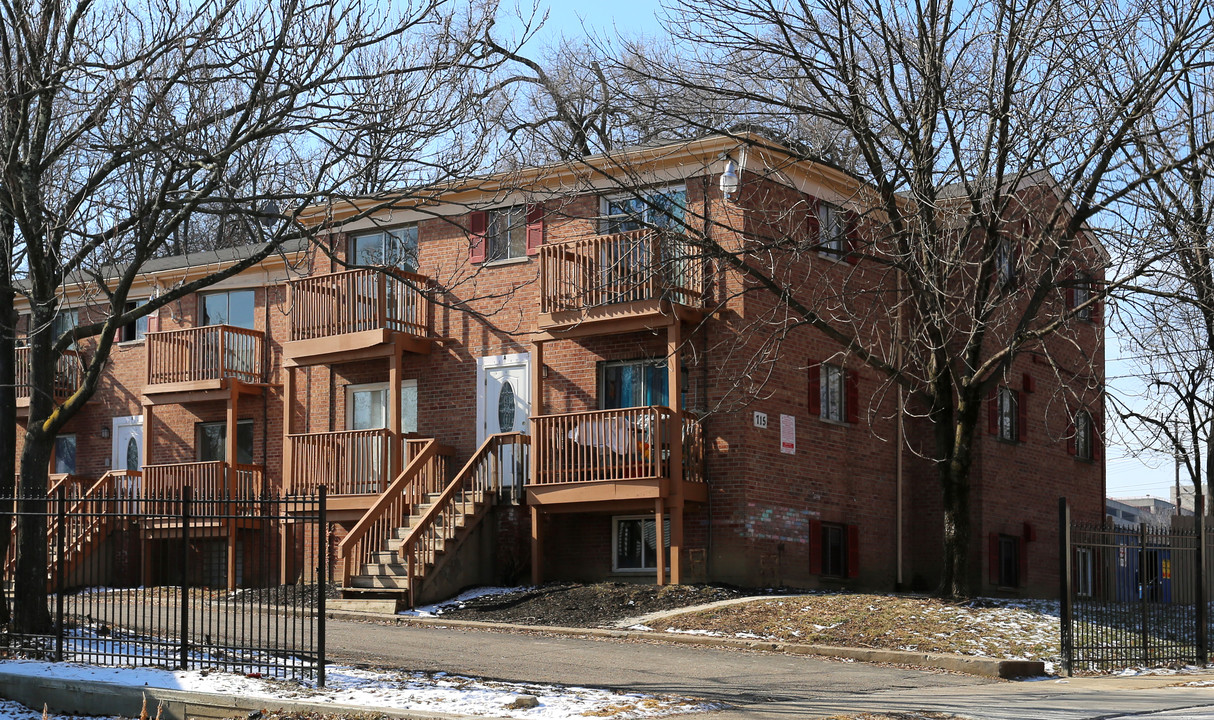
(1127, 476)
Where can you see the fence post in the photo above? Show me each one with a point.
(1064, 586)
(186, 494)
(322, 582)
(60, 544)
(1142, 591)
(1203, 614)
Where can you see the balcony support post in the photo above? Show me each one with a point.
(230, 480)
(674, 432)
(659, 516)
(537, 403)
(537, 548)
(288, 447)
(395, 438)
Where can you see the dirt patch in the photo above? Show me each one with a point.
(587, 606)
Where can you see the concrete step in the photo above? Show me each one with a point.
(379, 581)
(384, 569)
(367, 605)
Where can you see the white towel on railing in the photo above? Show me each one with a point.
(615, 434)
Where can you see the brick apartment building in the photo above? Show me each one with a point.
(582, 375)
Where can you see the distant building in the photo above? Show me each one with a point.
(1151, 510)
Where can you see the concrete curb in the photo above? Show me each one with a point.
(982, 667)
(93, 697)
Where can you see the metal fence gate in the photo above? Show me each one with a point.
(179, 581)
(1133, 595)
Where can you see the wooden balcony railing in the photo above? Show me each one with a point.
(615, 445)
(621, 268)
(67, 373)
(213, 352)
(359, 300)
(350, 462)
(208, 480)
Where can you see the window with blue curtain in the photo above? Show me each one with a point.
(633, 383)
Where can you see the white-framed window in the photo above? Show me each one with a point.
(211, 441)
(1005, 260)
(832, 231)
(65, 454)
(1008, 414)
(135, 330)
(662, 208)
(1083, 435)
(833, 393)
(65, 319)
(506, 233)
(396, 247)
(834, 550)
(1084, 572)
(1079, 294)
(1009, 561)
(230, 307)
(367, 406)
(634, 542)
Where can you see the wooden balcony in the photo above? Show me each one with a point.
(204, 358)
(354, 465)
(616, 458)
(209, 481)
(67, 375)
(625, 282)
(358, 314)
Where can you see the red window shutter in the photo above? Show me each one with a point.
(1071, 448)
(1024, 563)
(535, 228)
(1022, 416)
(851, 400)
(1028, 532)
(992, 412)
(815, 390)
(853, 238)
(992, 561)
(1028, 383)
(1068, 291)
(815, 547)
(478, 225)
(154, 322)
(853, 550)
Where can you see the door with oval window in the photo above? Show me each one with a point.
(506, 408)
(127, 453)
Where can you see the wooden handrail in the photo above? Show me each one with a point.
(358, 300)
(646, 264)
(479, 479)
(211, 352)
(423, 474)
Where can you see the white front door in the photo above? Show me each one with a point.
(127, 453)
(366, 409)
(504, 405)
(128, 443)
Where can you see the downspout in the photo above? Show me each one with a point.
(265, 400)
(704, 381)
(898, 582)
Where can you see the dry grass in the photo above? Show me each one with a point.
(922, 624)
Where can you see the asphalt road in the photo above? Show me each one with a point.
(755, 685)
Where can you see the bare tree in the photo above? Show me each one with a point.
(988, 137)
(123, 121)
(1168, 324)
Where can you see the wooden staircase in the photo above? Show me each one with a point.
(400, 558)
(91, 514)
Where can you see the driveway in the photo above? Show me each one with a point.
(755, 685)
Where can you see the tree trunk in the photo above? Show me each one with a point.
(30, 613)
(8, 429)
(954, 455)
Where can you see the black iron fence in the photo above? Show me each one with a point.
(179, 580)
(1133, 595)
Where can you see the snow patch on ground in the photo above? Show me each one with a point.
(460, 600)
(433, 692)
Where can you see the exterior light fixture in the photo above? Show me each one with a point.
(730, 181)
